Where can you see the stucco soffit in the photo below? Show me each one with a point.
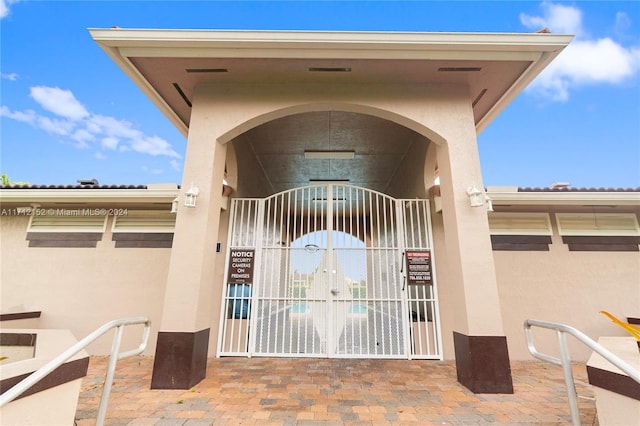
(147, 88)
(532, 71)
(533, 51)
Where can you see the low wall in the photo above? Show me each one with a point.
(617, 395)
(53, 400)
(20, 320)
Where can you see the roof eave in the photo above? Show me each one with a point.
(146, 87)
(565, 198)
(87, 196)
(292, 44)
(518, 87)
(121, 44)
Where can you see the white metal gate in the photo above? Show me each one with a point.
(324, 276)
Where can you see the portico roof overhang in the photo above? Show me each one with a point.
(167, 65)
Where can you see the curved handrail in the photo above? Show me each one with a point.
(586, 340)
(56, 362)
(565, 361)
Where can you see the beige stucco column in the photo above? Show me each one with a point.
(482, 358)
(181, 352)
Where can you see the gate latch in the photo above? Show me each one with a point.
(335, 291)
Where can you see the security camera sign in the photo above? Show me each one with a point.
(418, 267)
(241, 266)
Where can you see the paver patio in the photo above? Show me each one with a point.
(312, 391)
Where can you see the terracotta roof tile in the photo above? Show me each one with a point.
(572, 189)
(80, 187)
(520, 189)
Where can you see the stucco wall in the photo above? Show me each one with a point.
(251, 179)
(565, 287)
(80, 289)
(409, 180)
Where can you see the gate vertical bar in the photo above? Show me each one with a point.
(401, 238)
(330, 308)
(257, 280)
(223, 310)
(434, 288)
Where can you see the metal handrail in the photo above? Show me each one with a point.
(565, 361)
(56, 362)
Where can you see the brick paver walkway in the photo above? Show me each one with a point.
(309, 391)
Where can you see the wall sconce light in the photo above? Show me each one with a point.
(489, 203)
(475, 196)
(174, 205)
(190, 196)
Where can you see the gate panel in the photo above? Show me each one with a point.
(236, 307)
(328, 277)
(291, 315)
(368, 308)
(426, 341)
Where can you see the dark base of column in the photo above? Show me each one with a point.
(482, 363)
(181, 359)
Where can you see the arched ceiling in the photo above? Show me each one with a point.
(278, 148)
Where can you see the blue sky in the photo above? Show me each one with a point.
(68, 112)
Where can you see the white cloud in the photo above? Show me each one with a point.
(58, 101)
(54, 125)
(586, 61)
(152, 171)
(110, 143)
(4, 7)
(175, 165)
(113, 127)
(82, 136)
(133, 139)
(100, 156)
(79, 125)
(153, 145)
(558, 18)
(622, 25)
(28, 116)
(11, 76)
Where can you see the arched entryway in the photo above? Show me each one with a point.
(323, 271)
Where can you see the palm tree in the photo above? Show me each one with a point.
(5, 181)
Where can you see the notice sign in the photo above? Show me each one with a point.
(418, 267)
(241, 266)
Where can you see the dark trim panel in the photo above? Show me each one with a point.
(67, 372)
(7, 338)
(20, 315)
(143, 239)
(602, 243)
(482, 363)
(520, 242)
(614, 382)
(181, 359)
(64, 239)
